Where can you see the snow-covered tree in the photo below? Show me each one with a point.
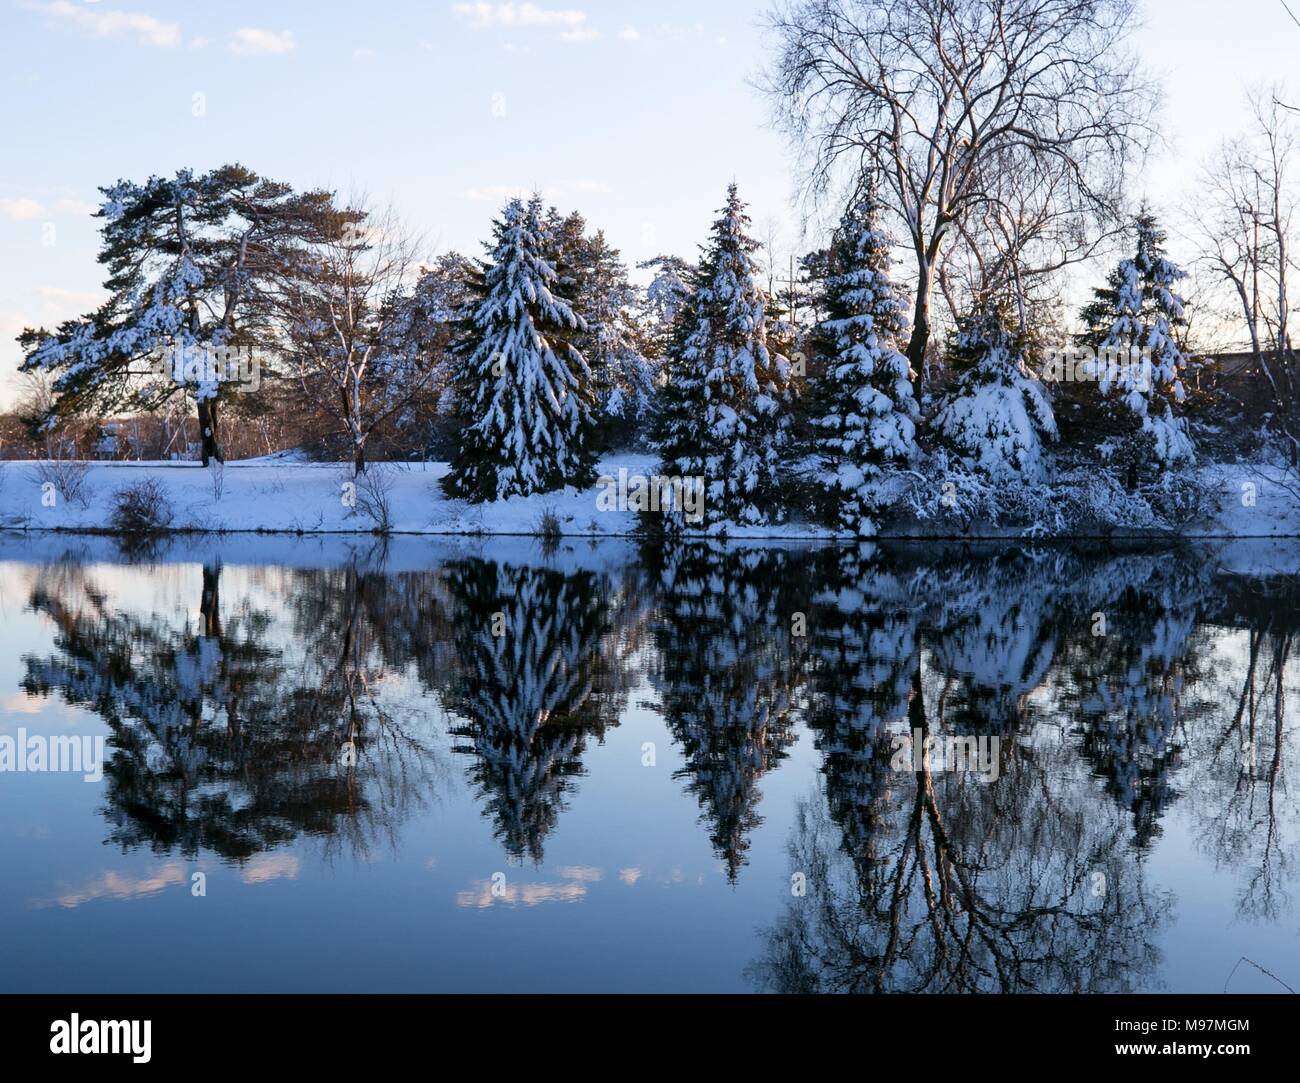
(594, 280)
(526, 393)
(669, 288)
(996, 416)
(864, 414)
(1134, 319)
(191, 261)
(725, 412)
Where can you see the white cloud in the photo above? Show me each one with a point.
(482, 15)
(144, 29)
(591, 186)
(364, 54)
(251, 40)
(580, 34)
(76, 206)
(493, 192)
(62, 303)
(499, 193)
(21, 208)
(630, 33)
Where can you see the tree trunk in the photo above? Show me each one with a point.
(359, 460)
(920, 339)
(208, 435)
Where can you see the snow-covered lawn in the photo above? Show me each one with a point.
(300, 496)
(280, 494)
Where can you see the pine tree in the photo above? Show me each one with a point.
(725, 411)
(863, 412)
(1132, 321)
(996, 415)
(526, 392)
(605, 298)
(191, 261)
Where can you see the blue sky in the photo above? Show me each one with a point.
(638, 115)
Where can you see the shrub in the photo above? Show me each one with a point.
(374, 495)
(68, 476)
(547, 526)
(141, 508)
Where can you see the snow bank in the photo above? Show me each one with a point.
(298, 497)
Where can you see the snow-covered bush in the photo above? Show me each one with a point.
(996, 417)
(1139, 397)
(1081, 502)
(142, 507)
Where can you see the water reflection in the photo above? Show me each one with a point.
(336, 703)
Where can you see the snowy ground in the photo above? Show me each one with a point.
(300, 497)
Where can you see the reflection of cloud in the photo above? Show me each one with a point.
(114, 885)
(585, 873)
(530, 894)
(266, 867)
(629, 876)
(21, 703)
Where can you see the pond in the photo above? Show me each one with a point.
(440, 765)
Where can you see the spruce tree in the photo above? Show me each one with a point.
(525, 390)
(1130, 324)
(996, 415)
(864, 414)
(725, 411)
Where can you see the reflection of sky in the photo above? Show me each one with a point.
(630, 894)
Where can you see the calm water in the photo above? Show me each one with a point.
(455, 766)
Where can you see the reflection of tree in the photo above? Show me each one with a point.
(727, 675)
(221, 739)
(1241, 760)
(1127, 686)
(863, 653)
(964, 887)
(540, 669)
(991, 638)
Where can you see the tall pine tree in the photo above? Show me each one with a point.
(864, 414)
(525, 391)
(725, 410)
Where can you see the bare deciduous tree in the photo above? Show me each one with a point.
(928, 94)
(342, 309)
(1243, 225)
